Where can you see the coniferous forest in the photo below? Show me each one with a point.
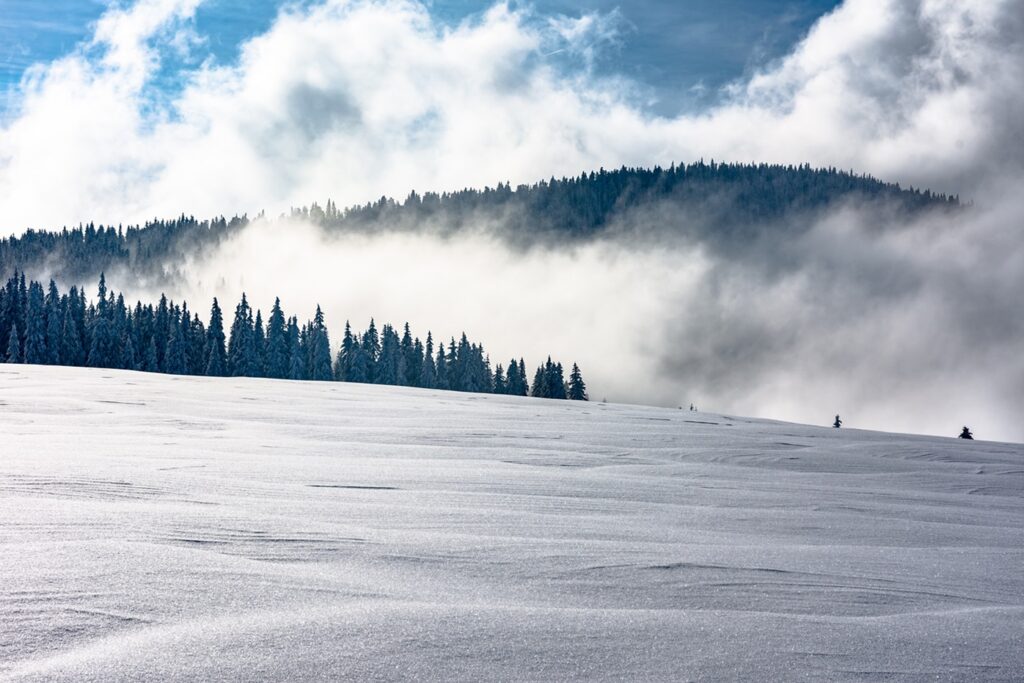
(704, 200)
(43, 326)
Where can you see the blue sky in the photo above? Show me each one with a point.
(683, 50)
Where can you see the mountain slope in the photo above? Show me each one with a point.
(720, 204)
(175, 528)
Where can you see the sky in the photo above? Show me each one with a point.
(682, 51)
(155, 108)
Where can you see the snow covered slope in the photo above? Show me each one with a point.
(171, 528)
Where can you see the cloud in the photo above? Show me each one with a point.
(906, 326)
(356, 99)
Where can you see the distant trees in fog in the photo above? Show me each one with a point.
(710, 201)
(45, 327)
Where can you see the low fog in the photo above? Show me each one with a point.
(894, 323)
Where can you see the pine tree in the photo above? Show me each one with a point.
(35, 326)
(128, 357)
(346, 355)
(428, 373)
(54, 323)
(296, 354)
(441, 370)
(198, 349)
(524, 384)
(13, 346)
(162, 331)
(320, 349)
(556, 382)
(241, 354)
(500, 386)
(216, 364)
(966, 434)
(540, 384)
(177, 346)
(371, 349)
(390, 353)
(150, 362)
(408, 366)
(104, 350)
(278, 358)
(414, 365)
(577, 387)
(71, 352)
(259, 347)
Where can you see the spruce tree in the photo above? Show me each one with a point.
(296, 355)
(259, 347)
(388, 361)
(428, 374)
(177, 346)
(414, 365)
(241, 354)
(198, 350)
(35, 326)
(13, 346)
(371, 349)
(162, 330)
(54, 323)
(71, 352)
(577, 387)
(129, 361)
(278, 358)
(346, 357)
(524, 384)
(556, 386)
(320, 349)
(149, 361)
(500, 386)
(540, 383)
(104, 347)
(216, 364)
(441, 369)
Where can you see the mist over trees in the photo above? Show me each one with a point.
(703, 200)
(45, 327)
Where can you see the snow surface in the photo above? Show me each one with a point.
(173, 528)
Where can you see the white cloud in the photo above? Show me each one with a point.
(355, 99)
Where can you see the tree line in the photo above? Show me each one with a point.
(45, 327)
(713, 199)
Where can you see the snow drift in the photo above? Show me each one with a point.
(173, 528)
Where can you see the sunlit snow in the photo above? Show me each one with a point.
(172, 528)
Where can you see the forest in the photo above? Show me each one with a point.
(705, 200)
(45, 327)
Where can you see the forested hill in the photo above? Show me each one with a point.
(711, 200)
